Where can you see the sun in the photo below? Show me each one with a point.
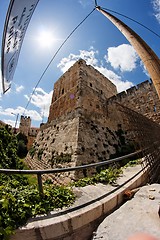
(45, 39)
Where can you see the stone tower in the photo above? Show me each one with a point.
(84, 120)
(78, 130)
(147, 55)
(81, 87)
(25, 125)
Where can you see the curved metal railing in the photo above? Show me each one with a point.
(39, 173)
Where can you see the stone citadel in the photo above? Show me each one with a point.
(84, 123)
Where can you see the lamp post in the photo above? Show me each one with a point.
(17, 115)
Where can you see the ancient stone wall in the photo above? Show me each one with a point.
(142, 98)
(2, 124)
(55, 147)
(30, 141)
(65, 97)
(76, 139)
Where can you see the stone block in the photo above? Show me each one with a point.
(85, 215)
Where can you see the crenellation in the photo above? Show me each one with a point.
(121, 95)
(144, 85)
(131, 91)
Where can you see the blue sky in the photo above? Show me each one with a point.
(97, 41)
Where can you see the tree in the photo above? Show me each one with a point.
(22, 145)
(8, 149)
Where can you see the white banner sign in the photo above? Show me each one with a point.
(17, 20)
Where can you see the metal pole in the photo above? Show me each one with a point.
(16, 120)
(40, 185)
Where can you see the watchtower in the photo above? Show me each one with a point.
(25, 125)
(81, 87)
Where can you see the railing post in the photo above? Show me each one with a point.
(40, 186)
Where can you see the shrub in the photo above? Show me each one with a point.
(108, 175)
(32, 151)
(39, 154)
(20, 200)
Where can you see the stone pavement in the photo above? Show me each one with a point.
(140, 214)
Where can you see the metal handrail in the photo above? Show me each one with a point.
(39, 173)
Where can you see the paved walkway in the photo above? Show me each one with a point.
(140, 214)
(79, 220)
(92, 193)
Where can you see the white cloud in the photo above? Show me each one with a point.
(12, 113)
(86, 3)
(11, 122)
(90, 58)
(66, 63)
(19, 88)
(123, 57)
(144, 69)
(42, 100)
(156, 7)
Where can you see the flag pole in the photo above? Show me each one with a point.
(147, 55)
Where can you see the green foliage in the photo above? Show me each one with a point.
(108, 175)
(8, 150)
(18, 203)
(60, 158)
(133, 163)
(20, 200)
(21, 137)
(22, 149)
(39, 154)
(32, 151)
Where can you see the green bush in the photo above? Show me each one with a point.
(60, 158)
(32, 151)
(108, 175)
(18, 203)
(20, 200)
(22, 145)
(39, 154)
(22, 149)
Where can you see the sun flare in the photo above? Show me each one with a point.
(45, 39)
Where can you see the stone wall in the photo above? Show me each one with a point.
(55, 147)
(142, 98)
(76, 139)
